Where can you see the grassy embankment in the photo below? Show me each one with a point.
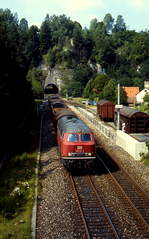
(17, 189)
(145, 157)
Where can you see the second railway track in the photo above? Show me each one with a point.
(97, 216)
(134, 199)
(96, 220)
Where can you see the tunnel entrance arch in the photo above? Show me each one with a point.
(51, 89)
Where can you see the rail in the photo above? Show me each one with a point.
(96, 220)
(134, 198)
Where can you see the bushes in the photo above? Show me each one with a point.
(145, 157)
(16, 184)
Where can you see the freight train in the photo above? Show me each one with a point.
(75, 139)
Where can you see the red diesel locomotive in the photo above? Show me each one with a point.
(75, 139)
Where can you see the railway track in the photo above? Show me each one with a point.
(98, 220)
(134, 199)
(95, 218)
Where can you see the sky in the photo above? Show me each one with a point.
(135, 12)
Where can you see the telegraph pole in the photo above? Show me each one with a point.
(118, 106)
(118, 110)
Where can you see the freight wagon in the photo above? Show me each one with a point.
(105, 110)
(132, 120)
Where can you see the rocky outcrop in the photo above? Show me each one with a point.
(56, 76)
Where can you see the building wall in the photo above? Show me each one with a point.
(146, 84)
(141, 94)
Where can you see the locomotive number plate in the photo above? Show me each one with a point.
(79, 147)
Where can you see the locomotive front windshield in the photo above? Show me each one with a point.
(85, 137)
(73, 138)
(76, 138)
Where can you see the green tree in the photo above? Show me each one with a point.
(23, 38)
(13, 86)
(144, 69)
(45, 36)
(108, 22)
(99, 83)
(88, 89)
(93, 25)
(105, 52)
(138, 81)
(78, 41)
(33, 52)
(82, 73)
(119, 25)
(109, 91)
(61, 27)
(23, 25)
(139, 49)
(146, 98)
(36, 78)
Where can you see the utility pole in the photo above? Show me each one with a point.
(118, 106)
(118, 110)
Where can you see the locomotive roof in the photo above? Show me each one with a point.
(71, 124)
(58, 104)
(129, 112)
(102, 102)
(64, 112)
(52, 101)
(53, 96)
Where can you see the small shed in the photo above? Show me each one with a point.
(132, 120)
(105, 110)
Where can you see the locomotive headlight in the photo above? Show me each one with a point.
(69, 154)
(88, 154)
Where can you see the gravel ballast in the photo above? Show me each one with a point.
(57, 213)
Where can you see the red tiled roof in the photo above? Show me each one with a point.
(131, 93)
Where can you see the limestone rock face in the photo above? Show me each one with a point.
(56, 76)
